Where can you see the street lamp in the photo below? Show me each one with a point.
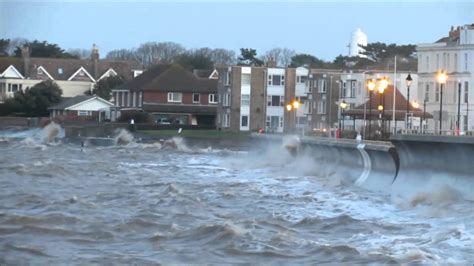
(380, 108)
(382, 86)
(459, 108)
(343, 106)
(408, 81)
(293, 105)
(442, 76)
(371, 87)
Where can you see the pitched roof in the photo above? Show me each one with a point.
(170, 78)
(138, 82)
(5, 62)
(63, 68)
(70, 101)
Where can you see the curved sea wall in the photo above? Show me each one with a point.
(407, 162)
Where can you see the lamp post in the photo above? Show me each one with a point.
(293, 105)
(371, 87)
(408, 81)
(382, 86)
(380, 108)
(424, 114)
(459, 108)
(442, 76)
(342, 105)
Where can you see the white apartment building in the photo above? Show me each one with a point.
(454, 54)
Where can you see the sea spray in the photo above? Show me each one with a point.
(123, 137)
(51, 132)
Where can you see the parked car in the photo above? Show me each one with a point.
(163, 121)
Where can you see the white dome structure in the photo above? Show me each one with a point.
(358, 37)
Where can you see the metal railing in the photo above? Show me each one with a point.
(435, 132)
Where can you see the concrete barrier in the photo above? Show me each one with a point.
(427, 161)
(408, 162)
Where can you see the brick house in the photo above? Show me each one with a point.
(172, 95)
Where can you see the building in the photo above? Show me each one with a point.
(172, 95)
(323, 88)
(454, 54)
(256, 98)
(82, 107)
(73, 76)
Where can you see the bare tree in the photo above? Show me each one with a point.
(219, 56)
(286, 55)
(121, 54)
(273, 57)
(163, 52)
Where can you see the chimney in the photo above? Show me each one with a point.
(95, 60)
(454, 32)
(25, 55)
(271, 62)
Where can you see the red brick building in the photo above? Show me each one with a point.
(172, 95)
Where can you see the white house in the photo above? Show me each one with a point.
(455, 55)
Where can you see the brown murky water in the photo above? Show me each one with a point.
(142, 204)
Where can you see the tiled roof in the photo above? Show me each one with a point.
(70, 101)
(171, 78)
(5, 62)
(63, 69)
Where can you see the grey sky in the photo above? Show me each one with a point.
(319, 28)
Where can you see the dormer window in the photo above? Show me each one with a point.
(60, 71)
(39, 71)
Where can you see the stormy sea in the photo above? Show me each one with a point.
(150, 203)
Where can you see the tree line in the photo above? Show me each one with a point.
(152, 53)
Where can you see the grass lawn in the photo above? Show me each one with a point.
(205, 134)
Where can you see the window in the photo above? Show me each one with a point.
(322, 86)
(245, 79)
(437, 93)
(175, 97)
(344, 90)
(276, 80)
(274, 122)
(60, 71)
(226, 78)
(212, 98)
(275, 100)
(245, 100)
(448, 64)
(322, 107)
(437, 61)
(225, 120)
(81, 73)
(196, 98)
(427, 64)
(455, 62)
(427, 92)
(465, 124)
(466, 92)
(226, 99)
(465, 61)
(353, 86)
(244, 121)
(39, 71)
(84, 113)
(300, 79)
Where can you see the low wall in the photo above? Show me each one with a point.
(14, 121)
